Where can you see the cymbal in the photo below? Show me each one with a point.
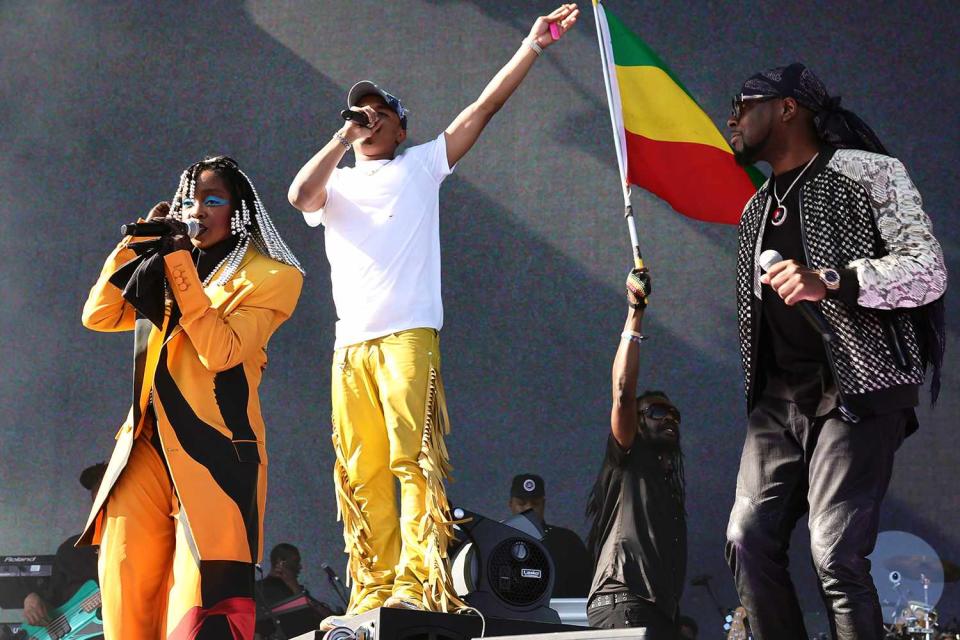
(906, 557)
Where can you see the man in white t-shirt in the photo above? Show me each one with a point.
(381, 219)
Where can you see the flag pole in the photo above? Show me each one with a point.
(603, 38)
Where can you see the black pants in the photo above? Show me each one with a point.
(839, 472)
(638, 613)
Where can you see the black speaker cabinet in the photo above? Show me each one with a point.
(503, 571)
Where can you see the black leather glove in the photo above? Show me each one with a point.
(177, 239)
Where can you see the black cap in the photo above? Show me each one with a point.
(527, 486)
(366, 88)
(91, 476)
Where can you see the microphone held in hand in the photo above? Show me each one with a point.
(356, 116)
(809, 310)
(153, 229)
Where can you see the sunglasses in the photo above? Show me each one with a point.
(659, 411)
(736, 108)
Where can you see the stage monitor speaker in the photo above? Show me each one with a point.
(502, 570)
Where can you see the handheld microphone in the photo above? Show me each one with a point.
(356, 116)
(157, 229)
(809, 310)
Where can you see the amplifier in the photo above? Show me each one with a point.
(20, 575)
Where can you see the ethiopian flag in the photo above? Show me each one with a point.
(666, 144)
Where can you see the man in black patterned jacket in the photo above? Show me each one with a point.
(827, 407)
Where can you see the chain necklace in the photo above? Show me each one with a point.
(779, 215)
(378, 167)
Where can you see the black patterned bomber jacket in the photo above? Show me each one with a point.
(860, 212)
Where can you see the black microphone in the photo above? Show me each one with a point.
(809, 310)
(335, 582)
(330, 572)
(357, 116)
(158, 228)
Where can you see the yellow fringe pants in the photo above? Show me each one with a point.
(389, 422)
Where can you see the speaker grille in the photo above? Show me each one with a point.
(519, 572)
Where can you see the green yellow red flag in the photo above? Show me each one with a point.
(665, 142)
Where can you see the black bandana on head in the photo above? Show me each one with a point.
(835, 125)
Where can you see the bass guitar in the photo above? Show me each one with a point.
(77, 619)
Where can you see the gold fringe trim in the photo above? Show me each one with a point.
(436, 526)
(356, 529)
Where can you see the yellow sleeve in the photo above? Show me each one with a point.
(223, 343)
(106, 309)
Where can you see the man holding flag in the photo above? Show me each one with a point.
(830, 395)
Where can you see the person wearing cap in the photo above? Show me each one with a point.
(638, 534)
(72, 566)
(571, 561)
(828, 406)
(381, 232)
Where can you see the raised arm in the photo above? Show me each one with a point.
(466, 127)
(626, 364)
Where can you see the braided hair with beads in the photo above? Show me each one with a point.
(250, 221)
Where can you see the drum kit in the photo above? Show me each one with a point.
(909, 577)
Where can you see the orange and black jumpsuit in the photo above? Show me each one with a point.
(179, 520)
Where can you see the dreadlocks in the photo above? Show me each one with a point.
(674, 455)
(250, 221)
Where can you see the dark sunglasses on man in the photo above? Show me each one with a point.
(736, 109)
(659, 411)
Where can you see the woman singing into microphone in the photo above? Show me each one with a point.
(179, 514)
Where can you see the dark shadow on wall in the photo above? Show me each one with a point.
(713, 67)
(100, 116)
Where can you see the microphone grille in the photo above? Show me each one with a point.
(769, 258)
(193, 227)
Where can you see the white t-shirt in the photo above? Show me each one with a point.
(382, 221)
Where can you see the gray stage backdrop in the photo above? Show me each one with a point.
(103, 104)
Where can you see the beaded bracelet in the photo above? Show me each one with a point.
(532, 43)
(341, 139)
(633, 336)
